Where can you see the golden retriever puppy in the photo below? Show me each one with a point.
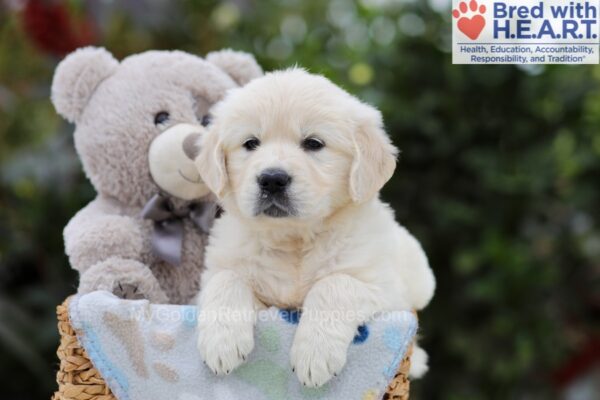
(297, 164)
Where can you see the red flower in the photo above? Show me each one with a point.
(52, 28)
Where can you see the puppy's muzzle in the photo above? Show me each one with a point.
(274, 200)
(274, 181)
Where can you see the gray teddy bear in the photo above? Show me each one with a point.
(137, 124)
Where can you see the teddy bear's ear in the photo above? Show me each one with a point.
(77, 77)
(242, 67)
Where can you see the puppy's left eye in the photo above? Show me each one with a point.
(312, 144)
(206, 120)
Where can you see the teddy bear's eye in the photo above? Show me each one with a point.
(206, 120)
(161, 117)
(251, 144)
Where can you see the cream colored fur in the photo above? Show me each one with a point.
(341, 256)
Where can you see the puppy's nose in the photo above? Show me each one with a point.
(274, 180)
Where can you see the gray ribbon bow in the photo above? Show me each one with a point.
(167, 235)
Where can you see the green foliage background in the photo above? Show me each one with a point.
(498, 177)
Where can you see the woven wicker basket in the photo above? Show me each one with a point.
(78, 379)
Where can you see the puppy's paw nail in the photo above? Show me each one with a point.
(316, 360)
(225, 348)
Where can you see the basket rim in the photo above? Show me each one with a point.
(78, 378)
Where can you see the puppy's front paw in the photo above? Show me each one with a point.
(317, 356)
(224, 346)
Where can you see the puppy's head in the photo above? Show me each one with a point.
(292, 145)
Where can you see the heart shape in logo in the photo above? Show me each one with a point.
(471, 27)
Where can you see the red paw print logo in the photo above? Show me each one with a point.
(473, 26)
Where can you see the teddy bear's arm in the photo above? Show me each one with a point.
(98, 232)
(126, 278)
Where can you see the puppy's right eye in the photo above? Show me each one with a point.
(251, 144)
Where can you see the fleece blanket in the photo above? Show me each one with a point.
(148, 352)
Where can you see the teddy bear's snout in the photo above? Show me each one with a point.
(190, 146)
(171, 162)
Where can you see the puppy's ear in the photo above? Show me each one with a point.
(374, 155)
(77, 77)
(211, 163)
